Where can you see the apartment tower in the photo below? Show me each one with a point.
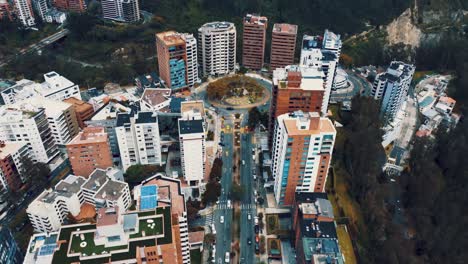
(283, 45)
(77, 6)
(253, 41)
(302, 151)
(24, 12)
(5, 10)
(217, 48)
(89, 150)
(295, 88)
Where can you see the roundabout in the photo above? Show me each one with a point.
(237, 92)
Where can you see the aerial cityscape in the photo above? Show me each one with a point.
(233, 131)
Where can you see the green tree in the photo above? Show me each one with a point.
(36, 173)
(80, 24)
(212, 192)
(135, 174)
(237, 192)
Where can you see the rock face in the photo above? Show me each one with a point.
(403, 30)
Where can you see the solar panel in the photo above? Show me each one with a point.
(47, 249)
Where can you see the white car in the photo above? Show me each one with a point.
(227, 257)
(213, 229)
(249, 216)
(221, 219)
(243, 162)
(228, 203)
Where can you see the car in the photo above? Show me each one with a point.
(217, 202)
(257, 248)
(255, 193)
(249, 216)
(253, 157)
(257, 239)
(249, 241)
(227, 257)
(243, 162)
(221, 144)
(257, 229)
(213, 229)
(256, 220)
(229, 203)
(255, 177)
(221, 219)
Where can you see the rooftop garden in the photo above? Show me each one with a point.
(149, 229)
(87, 247)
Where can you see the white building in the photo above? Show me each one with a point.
(155, 99)
(138, 138)
(50, 209)
(60, 117)
(24, 12)
(103, 188)
(217, 48)
(192, 145)
(192, 59)
(55, 87)
(392, 88)
(55, 16)
(121, 10)
(17, 124)
(41, 8)
(325, 53)
(302, 151)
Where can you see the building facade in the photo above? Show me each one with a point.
(172, 59)
(217, 48)
(322, 51)
(283, 45)
(138, 139)
(295, 88)
(89, 150)
(192, 145)
(12, 155)
(55, 87)
(5, 10)
(77, 6)
(253, 41)
(83, 110)
(10, 253)
(24, 12)
(302, 151)
(41, 8)
(121, 10)
(391, 87)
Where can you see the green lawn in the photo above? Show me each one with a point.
(143, 227)
(272, 223)
(90, 248)
(195, 256)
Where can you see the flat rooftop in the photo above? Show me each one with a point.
(254, 19)
(285, 28)
(156, 96)
(71, 184)
(90, 135)
(171, 38)
(8, 148)
(190, 126)
(196, 106)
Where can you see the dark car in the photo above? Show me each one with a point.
(257, 248)
(230, 108)
(257, 229)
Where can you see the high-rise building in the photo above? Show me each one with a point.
(83, 110)
(9, 250)
(302, 151)
(41, 8)
(324, 52)
(217, 48)
(17, 124)
(24, 12)
(138, 138)
(55, 87)
(192, 59)
(5, 10)
(77, 6)
(106, 117)
(89, 150)
(103, 189)
(295, 88)
(121, 10)
(283, 45)
(172, 59)
(392, 88)
(192, 142)
(12, 155)
(253, 41)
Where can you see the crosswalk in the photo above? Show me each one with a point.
(248, 206)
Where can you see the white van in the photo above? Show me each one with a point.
(227, 257)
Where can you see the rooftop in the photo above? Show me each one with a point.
(291, 123)
(311, 78)
(146, 117)
(196, 106)
(254, 19)
(70, 185)
(107, 216)
(156, 96)
(190, 126)
(317, 229)
(78, 104)
(151, 80)
(8, 148)
(321, 207)
(168, 191)
(215, 26)
(322, 250)
(90, 135)
(171, 38)
(285, 28)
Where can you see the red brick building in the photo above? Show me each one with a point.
(77, 6)
(283, 45)
(5, 10)
(11, 156)
(253, 41)
(89, 150)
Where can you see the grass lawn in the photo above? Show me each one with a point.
(195, 256)
(90, 247)
(143, 226)
(346, 244)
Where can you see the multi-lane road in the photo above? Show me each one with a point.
(224, 207)
(37, 46)
(248, 207)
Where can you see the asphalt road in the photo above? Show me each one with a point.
(360, 85)
(223, 230)
(247, 202)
